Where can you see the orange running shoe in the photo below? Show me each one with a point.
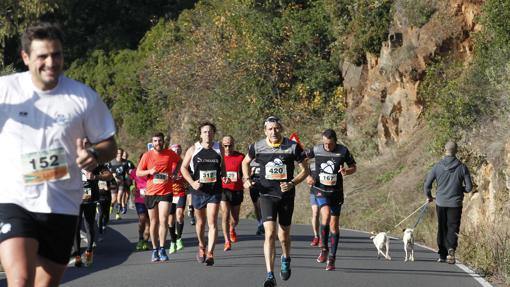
(227, 246)
(233, 235)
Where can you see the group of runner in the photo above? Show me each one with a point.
(216, 175)
(59, 138)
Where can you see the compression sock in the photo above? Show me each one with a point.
(173, 237)
(325, 236)
(180, 227)
(335, 237)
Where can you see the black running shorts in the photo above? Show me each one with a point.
(54, 232)
(152, 200)
(273, 207)
(233, 197)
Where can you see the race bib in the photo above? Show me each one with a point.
(44, 166)
(207, 176)
(160, 178)
(102, 185)
(232, 175)
(87, 193)
(327, 179)
(175, 199)
(278, 172)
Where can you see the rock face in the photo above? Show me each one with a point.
(387, 85)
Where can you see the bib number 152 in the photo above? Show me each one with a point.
(46, 165)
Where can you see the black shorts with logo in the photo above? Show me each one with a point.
(272, 207)
(234, 197)
(54, 232)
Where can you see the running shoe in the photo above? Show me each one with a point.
(441, 260)
(145, 245)
(75, 261)
(209, 261)
(117, 216)
(330, 265)
(260, 230)
(180, 244)
(315, 242)
(323, 256)
(192, 220)
(285, 268)
(270, 280)
(173, 248)
(450, 259)
(139, 245)
(88, 258)
(162, 254)
(124, 210)
(201, 255)
(233, 236)
(227, 246)
(155, 256)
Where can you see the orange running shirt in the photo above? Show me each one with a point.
(160, 182)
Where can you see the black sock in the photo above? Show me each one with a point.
(180, 227)
(325, 236)
(172, 233)
(334, 243)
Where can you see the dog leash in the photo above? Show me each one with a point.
(423, 207)
(422, 213)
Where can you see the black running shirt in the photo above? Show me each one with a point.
(327, 164)
(276, 165)
(206, 167)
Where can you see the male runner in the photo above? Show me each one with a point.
(44, 117)
(254, 195)
(206, 161)
(118, 169)
(327, 186)
(128, 167)
(141, 209)
(276, 156)
(157, 165)
(233, 194)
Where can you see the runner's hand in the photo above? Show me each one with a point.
(430, 199)
(310, 180)
(84, 159)
(226, 180)
(196, 185)
(342, 171)
(286, 186)
(152, 171)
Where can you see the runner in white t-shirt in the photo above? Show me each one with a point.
(44, 118)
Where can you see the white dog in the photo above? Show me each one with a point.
(381, 240)
(409, 243)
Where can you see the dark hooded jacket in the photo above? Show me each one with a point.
(453, 180)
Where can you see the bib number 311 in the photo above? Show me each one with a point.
(43, 166)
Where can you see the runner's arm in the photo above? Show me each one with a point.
(246, 171)
(185, 165)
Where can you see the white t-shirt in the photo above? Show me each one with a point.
(38, 132)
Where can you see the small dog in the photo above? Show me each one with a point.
(381, 240)
(408, 243)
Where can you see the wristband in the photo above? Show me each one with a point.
(93, 152)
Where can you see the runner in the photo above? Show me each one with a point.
(140, 183)
(176, 217)
(254, 194)
(44, 117)
(157, 165)
(233, 194)
(276, 156)
(87, 213)
(205, 160)
(327, 185)
(313, 205)
(128, 166)
(118, 169)
(104, 204)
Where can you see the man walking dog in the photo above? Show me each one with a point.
(453, 180)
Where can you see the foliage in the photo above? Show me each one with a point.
(416, 13)
(360, 27)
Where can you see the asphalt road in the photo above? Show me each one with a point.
(115, 263)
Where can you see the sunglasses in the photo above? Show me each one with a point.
(227, 145)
